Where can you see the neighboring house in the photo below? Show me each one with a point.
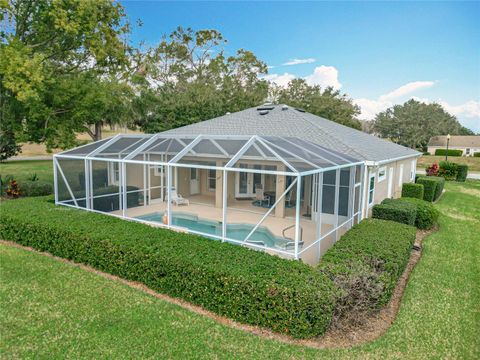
(272, 177)
(468, 144)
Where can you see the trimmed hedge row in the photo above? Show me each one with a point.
(412, 190)
(248, 286)
(403, 213)
(35, 188)
(366, 264)
(462, 172)
(451, 152)
(426, 214)
(477, 154)
(433, 187)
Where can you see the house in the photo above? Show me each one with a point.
(468, 144)
(272, 178)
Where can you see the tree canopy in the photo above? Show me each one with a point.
(328, 103)
(414, 123)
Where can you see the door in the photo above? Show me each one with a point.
(390, 182)
(245, 181)
(194, 181)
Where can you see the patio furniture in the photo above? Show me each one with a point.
(289, 199)
(261, 196)
(272, 196)
(178, 199)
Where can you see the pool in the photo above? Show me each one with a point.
(261, 236)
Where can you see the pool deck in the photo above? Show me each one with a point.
(243, 212)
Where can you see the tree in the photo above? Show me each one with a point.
(46, 47)
(414, 123)
(189, 79)
(328, 103)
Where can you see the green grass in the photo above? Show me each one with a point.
(21, 170)
(50, 309)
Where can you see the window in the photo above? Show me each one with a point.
(467, 151)
(371, 189)
(212, 179)
(113, 173)
(382, 174)
(413, 167)
(158, 170)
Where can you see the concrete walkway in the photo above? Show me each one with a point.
(471, 175)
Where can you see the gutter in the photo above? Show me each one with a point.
(381, 162)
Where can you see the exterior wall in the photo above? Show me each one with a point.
(431, 149)
(381, 187)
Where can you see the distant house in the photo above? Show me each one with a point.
(468, 144)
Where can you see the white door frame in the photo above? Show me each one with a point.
(194, 183)
(250, 193)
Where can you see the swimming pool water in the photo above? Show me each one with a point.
(234, 231)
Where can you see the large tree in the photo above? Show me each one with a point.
(189, 79)
(328, 103)
(58, 59)
(414, 123)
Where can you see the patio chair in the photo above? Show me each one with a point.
(260, 196)
(289, 199)
(177, 198)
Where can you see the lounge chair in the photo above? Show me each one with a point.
(177, 198)
(260, 196)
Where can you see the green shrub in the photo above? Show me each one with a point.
(439, 188)
(412, 190)
(429, 187)
(401, 212)
(448, 170)
(426, 215)
(451, 152)
(245, 285)
(35, 188)
(462, 172)
(365, 264)
(477, 154)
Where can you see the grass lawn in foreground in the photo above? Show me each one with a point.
(21, 170)
(54, 310)
(426, 160)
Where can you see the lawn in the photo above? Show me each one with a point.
(21, 170)
(427, 160)
(51, 309)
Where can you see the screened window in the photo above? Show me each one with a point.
(114, 173)
(382, 174)
(212, 179)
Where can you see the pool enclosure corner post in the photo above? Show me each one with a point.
(337, 202)
(224, 205)
(319, 212)
(55, 179)
(87, 183)
(364, 187)
(297, 214)
(169, 196)
(124, 189)
(351, 195)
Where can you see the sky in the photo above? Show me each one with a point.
(379, 53)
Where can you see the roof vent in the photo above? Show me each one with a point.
(263, 112)
(285, 107)
(228, 113)
(265, 107)
(301, 110)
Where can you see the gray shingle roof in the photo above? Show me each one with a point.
(456, 140)
(302, 125)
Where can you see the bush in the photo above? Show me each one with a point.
(426, 215)
(439, 188)
(448, 170)
(451, 152)
(365, 265)
(399, 212)
(477, 154)
(412, 190)
(245, 285)
(429, 187)
(432, 170)
(35, 188)
(462, 172)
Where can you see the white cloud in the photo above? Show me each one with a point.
(406, 89)
(281, 80)
(470, 109)
(370, 108)
(299, 61)
(324, 76)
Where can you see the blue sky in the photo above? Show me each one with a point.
(379, 53)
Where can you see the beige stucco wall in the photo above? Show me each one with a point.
(381, 187)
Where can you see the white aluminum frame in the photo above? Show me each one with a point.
(229, 166)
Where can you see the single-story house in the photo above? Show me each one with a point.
(468, 144)
(272, 178)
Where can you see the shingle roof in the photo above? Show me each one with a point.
(456, 140)
(302, 125)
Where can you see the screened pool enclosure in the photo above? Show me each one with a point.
(282, 195)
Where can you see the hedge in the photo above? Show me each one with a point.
(477, 154)
(429, 187)
(412, 190)
(451, 152)
(245, 285)
(366, 264)
(439, 188)
(426, 214)
(402, 213)
(35, 188)
(462, 172)
(448, 170)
